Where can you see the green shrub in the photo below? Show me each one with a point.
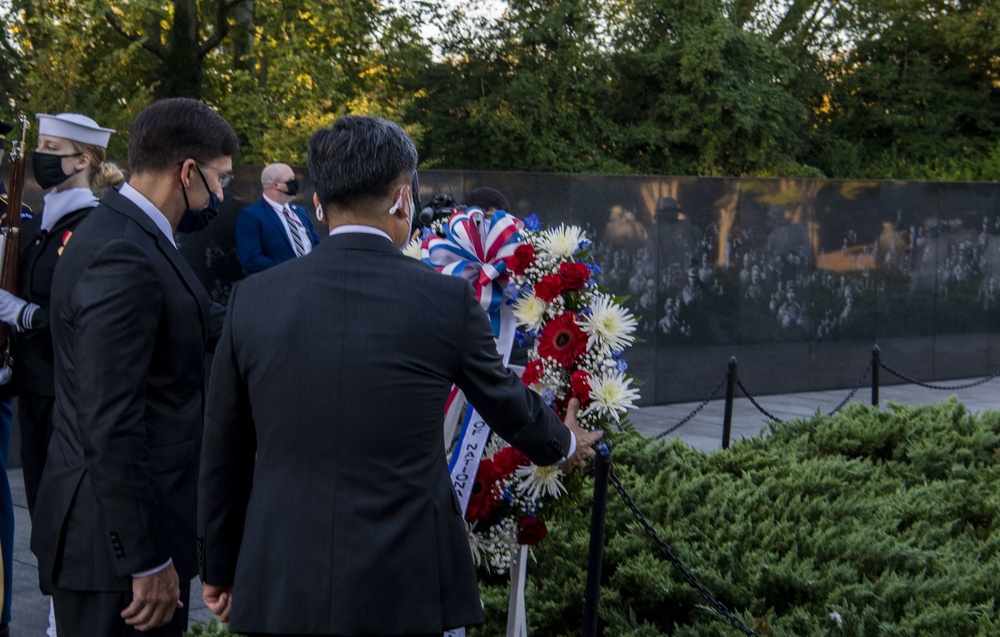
(883, 519)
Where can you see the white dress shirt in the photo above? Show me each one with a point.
(302, 232)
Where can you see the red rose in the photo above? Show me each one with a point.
(485, 492)
(507, 460)
(562, 340)
(522, 258)
(549, 287)
(574, 275)
(580, 385)
(530, 530)
(532, 372)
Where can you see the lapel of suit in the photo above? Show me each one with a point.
(275, 218)
(116, 201)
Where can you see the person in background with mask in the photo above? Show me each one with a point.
(114, 521)
(274, 229)
(69, 163)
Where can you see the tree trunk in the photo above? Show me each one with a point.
(243, 36)
(181, 68)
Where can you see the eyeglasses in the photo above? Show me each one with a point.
(224, 178)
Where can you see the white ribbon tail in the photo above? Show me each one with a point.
(517, 623)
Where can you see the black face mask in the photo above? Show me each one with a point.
(48, 169)
(292, 187)
(210, 210)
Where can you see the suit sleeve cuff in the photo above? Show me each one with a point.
(154, 571)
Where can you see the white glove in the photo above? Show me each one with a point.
(14, 309)
(10, 307)
(5, 374)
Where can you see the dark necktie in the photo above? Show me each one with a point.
(294, 225)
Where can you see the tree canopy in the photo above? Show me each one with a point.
(872, 88)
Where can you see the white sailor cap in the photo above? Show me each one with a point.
(73, 126)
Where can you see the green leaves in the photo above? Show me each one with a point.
(887, 518)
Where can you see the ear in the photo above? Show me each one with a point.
(83, 162)
(187, 166)
(316, 199)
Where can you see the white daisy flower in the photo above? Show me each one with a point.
(412, 249)
(609, 326)
(529, 311)
(562, 242)
(611, 394)
(538, 482)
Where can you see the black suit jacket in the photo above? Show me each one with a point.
(325, 496)
(128, 328)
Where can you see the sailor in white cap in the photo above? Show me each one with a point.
(69, 163)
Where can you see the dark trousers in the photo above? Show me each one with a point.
(98, 614)
(34, 415)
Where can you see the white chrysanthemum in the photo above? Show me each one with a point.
(611, 394)
(609, 325)
(412, 249)
(537, 482)
(475, 545)
(529, 311)
(562, 242)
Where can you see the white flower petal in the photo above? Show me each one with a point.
(611, 394)
(609, 326)
(412, 249)
(538, 482)
(562, 242)
(529, 311)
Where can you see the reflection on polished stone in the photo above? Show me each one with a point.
(797, 278)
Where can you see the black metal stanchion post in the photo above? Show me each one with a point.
(876, 363)
(727, 419)
(602, 469)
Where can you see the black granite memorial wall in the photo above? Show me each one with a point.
(796, 278)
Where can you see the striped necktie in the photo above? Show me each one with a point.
(294, 228)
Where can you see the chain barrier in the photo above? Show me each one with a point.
(691, 578)
(694, 413)
(857, 386)
(756, 404)
(939, 387)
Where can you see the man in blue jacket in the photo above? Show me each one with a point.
(274, 229)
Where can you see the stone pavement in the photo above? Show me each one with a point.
(704, 431)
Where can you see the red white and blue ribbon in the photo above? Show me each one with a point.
(477, 249)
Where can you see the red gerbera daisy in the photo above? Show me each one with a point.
(562, 340)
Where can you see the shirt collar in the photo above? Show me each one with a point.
(359, 229)
(59, 203)
(151, 211)
(278, 207)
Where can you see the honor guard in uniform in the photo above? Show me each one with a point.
(69, 164)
